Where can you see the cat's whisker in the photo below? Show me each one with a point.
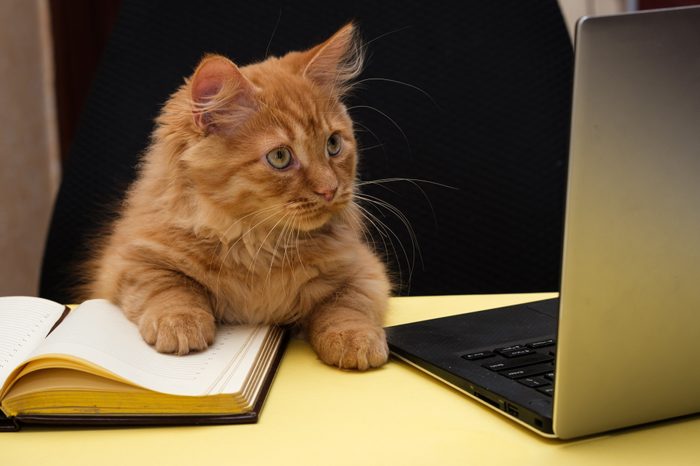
(272, 36)
(288, 243)
(356, 221)
(285, 240)
(365, 128)
(381, 228)
(371, 218)
(259, 211)
(290, 240)
(296, 244)
(393, 122)
(251, 268)
(422, 91)
(222, 238)
(367, 148)
(415, 182)
(415, 246)
(249, 230)
(273, 259)
(402, 217)
(286, 237)
(230, 248)
(381, 36)
(280, 235)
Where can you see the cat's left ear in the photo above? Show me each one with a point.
(222, 98)
(337, 61)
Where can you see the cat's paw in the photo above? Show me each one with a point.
(353, 346)
(178, 331)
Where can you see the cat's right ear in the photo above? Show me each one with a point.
(222, 98)
(335, 63)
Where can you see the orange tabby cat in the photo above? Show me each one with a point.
(243, 212)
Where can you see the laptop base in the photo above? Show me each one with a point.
(439, 347)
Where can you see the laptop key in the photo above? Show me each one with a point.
(517, 353)
(495, 366)
(528, 371)
(508, 349)
(549, 390)
(534, 381)
(549, 375)
(479, 355)
(512, 363)
(541, 343)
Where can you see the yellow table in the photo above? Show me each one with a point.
(317, 415)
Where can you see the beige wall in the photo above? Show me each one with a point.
(574, 9)
(28, 149)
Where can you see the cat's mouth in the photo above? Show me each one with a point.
(314, 218)
(314, 215)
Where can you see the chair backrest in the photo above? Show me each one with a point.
(471, 95)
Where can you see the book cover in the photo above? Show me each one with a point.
(90, 367)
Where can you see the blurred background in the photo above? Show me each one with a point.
(49, 51)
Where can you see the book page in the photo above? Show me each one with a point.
(98, 332)
(24, 323)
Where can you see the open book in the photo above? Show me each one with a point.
(94, 368)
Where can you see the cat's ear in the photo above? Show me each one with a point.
(222, 98)
(337, 61)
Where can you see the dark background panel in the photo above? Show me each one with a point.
(479, 113)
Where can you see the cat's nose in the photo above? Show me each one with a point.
(327, 193)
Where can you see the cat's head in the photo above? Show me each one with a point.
(272, 140)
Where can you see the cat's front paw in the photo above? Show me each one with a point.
(352, 346)
(178, 330)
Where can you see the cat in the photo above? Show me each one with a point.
(244, 211)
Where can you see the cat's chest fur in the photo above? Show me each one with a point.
(275, 278)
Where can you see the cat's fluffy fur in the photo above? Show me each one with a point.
(211, 232)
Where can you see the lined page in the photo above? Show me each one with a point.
(24, 323)
(238, 378)
(98, 332)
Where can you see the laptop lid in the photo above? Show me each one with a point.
(630, 292)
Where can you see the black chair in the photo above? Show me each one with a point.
(483, 106)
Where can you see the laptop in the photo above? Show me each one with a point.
(619, 346)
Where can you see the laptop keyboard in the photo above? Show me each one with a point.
(531, 364)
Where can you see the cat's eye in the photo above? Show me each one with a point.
(334, 144)
(279, 158)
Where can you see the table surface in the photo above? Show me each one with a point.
(318, 415)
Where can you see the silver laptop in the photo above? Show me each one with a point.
(619, 348)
